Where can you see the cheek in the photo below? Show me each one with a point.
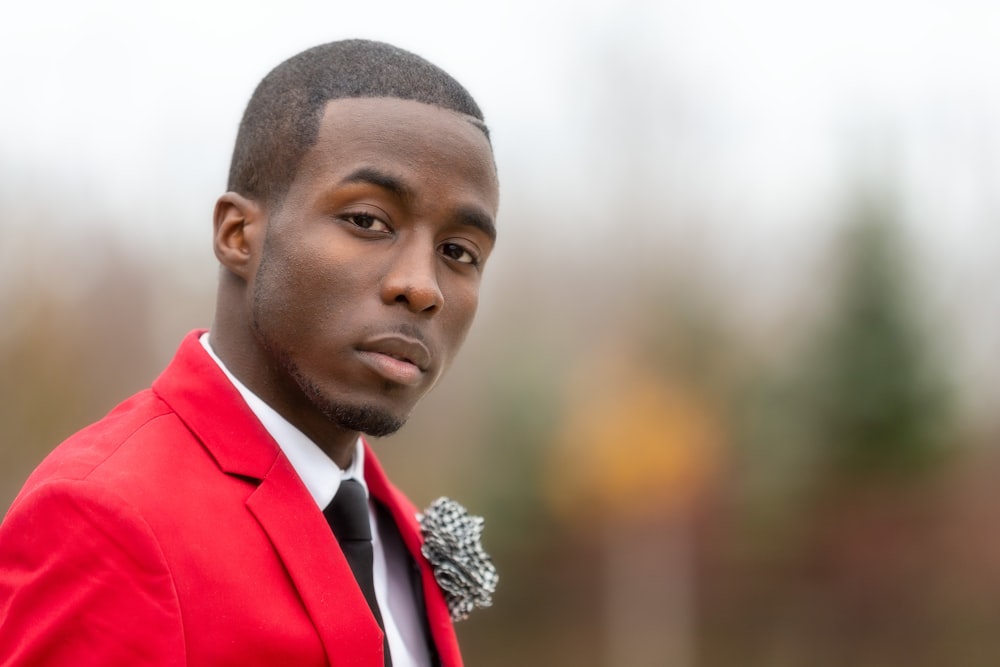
(288, 291)
(272, 314)
(464, 303)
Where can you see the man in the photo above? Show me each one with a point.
(187, 527)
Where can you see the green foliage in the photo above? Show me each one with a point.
(875, 400)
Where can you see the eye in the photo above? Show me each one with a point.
(459, 254)
(367, 222)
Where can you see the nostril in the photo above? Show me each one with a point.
(417, 298)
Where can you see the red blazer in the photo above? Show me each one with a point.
(175, 532)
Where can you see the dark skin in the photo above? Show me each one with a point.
(342, 305)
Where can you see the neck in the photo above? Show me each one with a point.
(239, 349)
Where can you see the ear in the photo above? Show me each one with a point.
(239, 233)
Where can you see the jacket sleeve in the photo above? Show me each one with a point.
(84, 582)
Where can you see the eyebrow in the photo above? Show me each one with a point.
(379, 179)
(467, 216)
(483, 223)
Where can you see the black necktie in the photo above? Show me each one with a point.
(347, 515)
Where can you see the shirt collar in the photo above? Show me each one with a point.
(317, 471)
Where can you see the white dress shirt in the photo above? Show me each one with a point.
(321, 476)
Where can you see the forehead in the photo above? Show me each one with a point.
(426, 146)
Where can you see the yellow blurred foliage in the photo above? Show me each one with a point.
(632, 444)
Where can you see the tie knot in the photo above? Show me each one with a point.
(347, 513)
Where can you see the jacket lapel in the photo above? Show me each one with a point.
(317, 567)
(281, 504)
(404, 513)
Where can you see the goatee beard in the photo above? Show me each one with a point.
(364, 418)
(367, 419)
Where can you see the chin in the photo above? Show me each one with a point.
(369, 419)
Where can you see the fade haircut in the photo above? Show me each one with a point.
(282, 119)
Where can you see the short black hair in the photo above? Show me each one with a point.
(282, 119)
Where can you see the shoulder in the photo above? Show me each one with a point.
(80, 493)
(78, 562)
(118, 451)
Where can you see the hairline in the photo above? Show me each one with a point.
(275, 200)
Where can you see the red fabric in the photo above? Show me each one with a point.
(174, 532)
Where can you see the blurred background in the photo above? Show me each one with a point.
(731, 396)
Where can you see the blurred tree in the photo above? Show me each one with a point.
(816, 561)
(875, 400)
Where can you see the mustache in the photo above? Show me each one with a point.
(404, 329)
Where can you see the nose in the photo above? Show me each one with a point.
(412, 279)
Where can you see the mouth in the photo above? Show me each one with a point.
(396, 358)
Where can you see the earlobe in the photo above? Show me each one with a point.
(238, 231)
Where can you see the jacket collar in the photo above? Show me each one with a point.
(211, 407)
(204, 399)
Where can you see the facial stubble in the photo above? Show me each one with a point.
(365, 418)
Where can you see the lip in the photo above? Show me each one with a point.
(397, 358)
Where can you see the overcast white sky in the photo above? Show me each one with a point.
(727, 130)
(133, 106)
(751, 115)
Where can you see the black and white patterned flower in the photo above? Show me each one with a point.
(452, 545)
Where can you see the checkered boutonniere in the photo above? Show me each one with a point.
(452, 545)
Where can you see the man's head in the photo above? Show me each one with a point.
(283, 116)
(360, 216)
